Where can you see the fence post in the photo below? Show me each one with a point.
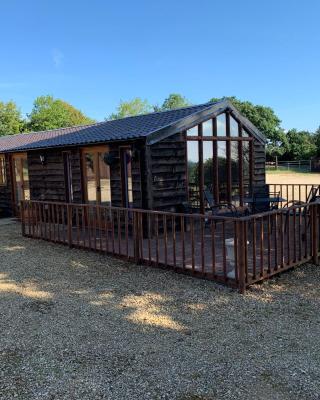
(315, 237)
(23, 227)
(241, 256)
(69, 221)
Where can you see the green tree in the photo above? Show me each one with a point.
(50, 113)
(265, 119)
(173, 101)
(11, 121)
(316, 141)
(300, 145)
(136, 106)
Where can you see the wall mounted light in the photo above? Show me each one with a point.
(42, 159)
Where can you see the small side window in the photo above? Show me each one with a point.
(3, 175)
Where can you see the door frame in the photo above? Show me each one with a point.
(13, 158)
(95, 150)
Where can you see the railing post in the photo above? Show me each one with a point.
(315, 237)
(23, 227)
(136, 238)
(69, 221)
(241, 256)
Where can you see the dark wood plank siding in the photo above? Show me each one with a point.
(6, 192)
(47, 182)
(259, 157)
(168, 177)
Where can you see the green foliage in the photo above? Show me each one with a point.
(316, 141)
(265, 119)
(301, 145)
(11, 121)
(50, 113)
(136, 106)
(173, 101)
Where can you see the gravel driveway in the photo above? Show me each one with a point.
(79, 325)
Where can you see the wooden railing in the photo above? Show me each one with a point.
(233, 251)
(293, 192)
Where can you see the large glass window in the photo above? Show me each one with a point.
(207, 128)
(3, 175)
(193, 173)
(208, 172)
(234, 130)
(235, 171)
(193, 131)
(105, 186)
(221, 125)
(224, 173)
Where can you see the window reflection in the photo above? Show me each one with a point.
(221, 125)
(222, 171)
(207, 128)
(208, 173)
(233, 127)
(91, 178)
(105, 188)
(193, 173)
(234, 155)
(193, 131)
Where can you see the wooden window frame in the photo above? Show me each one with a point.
(3, 171)
(214, 139)
(124, 185)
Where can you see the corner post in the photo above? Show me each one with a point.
(240, 225)
(315, 233)
(69, 221)
(136, 244)
(23, 226)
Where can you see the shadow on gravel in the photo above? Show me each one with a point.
(85, 319)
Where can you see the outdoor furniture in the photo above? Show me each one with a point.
(262, 202)
(224, 208)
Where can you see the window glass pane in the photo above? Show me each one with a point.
(127, 188)
(246, 166)
(193, 173)
(25, 173)
(222, 171)
(90, 170)
(3, 176)
(105, 188)
(208, 173)
(221, 125)
(235, 192)
(207, 128)
(244, 133)
(193, 131)
(233, 127)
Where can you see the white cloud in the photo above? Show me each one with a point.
(57, 57)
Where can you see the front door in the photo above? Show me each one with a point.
(21, 187)
(96, 175)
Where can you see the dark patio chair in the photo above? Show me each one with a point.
(224, 208)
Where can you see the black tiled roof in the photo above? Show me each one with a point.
(121, 129)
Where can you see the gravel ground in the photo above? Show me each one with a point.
(79, 325)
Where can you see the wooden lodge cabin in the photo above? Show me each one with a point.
(160, 161)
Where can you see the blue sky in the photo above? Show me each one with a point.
(94, 53)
